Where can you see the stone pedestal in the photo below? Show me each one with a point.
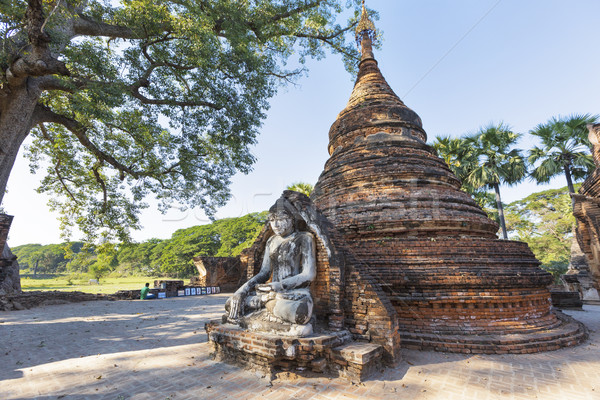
(331, 353)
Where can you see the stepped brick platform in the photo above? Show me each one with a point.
(564, 333)
(433, 252)
(333, 353)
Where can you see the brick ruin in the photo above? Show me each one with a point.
(405, 258)
(453, 284)
(584, 270)
(225, 272)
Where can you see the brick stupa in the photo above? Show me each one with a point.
(435, 253)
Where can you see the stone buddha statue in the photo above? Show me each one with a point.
(284, 304)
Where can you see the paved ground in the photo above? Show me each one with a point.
(158, 350)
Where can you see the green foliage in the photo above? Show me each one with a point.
(484, 161)
(161, 98)
(544, 220)
(48, 259)
(106, 261)
(223, 238)
(564, 149)
(171, 257)
(302, 187)
(493, 160)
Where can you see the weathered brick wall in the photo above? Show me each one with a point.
(226, 272)
(587, 211)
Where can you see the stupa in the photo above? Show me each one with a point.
(453, 284)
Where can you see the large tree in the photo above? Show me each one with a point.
(564, 149)
(496, 162)
(544, 221)
(132, 98)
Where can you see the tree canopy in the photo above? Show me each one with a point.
(302, 187)
(544, 220)
(485, 160)
(564, 149)
(135, 98)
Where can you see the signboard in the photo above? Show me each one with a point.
(193, 291)
(162, 295)
(208, 290)
(188, 292)
(203, 290)
(181, 293)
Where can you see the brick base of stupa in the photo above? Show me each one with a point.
(328, 353)
(565, 333)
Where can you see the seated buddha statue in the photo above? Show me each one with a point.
(278, 299)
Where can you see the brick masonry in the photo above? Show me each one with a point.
(225, 272)
(586, 209)
(422, 241)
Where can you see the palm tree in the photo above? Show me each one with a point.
(456, 152)
(496, 163)
(302, 187)
(461, 158)
(564, 149)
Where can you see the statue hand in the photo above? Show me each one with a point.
(235, 305)
(270, 287)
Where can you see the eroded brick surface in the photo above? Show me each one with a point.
(424, 243)
(586, 209)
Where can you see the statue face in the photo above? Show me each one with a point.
(281, 223)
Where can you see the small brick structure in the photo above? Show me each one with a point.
(565, 299)
(585, 255)
(225, 272)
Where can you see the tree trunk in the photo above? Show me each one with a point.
(16, 119)
(569, 180)
(500, 211)
(36, 267)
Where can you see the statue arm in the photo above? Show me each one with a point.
(262, 276)
(308, 262)
(235, 302)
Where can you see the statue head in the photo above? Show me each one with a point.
(282, 217)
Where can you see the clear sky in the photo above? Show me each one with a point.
(459, 64)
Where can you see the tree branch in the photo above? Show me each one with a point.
(61, 179)
(103, 186)
(167, 102)
(86, 26)
(47, 115)
(53, 83)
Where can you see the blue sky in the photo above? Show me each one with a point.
(459, 64)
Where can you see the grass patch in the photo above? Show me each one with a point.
(67, 283)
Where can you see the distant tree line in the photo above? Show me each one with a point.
(489, 158)
(170, 257)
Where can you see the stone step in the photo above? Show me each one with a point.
(356, 361)
(360, 353)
